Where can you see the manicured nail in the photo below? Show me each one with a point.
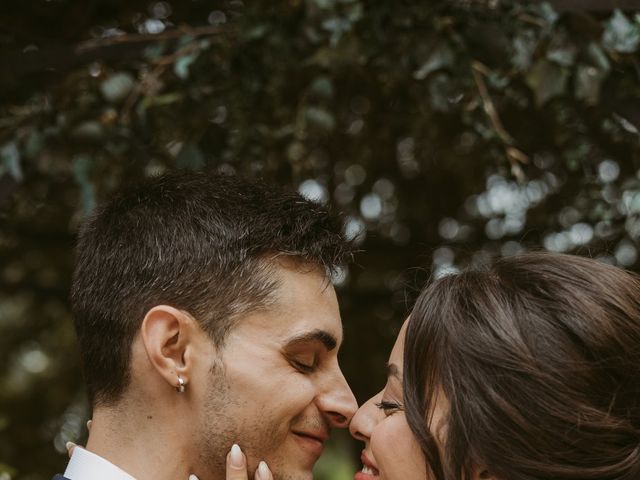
(193, 477)
(68, 445)
(263, 471)
(89, 424)
(237, 458)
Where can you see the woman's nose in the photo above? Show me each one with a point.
(366, 418)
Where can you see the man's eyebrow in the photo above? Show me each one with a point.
(393, 371)
(325, 338)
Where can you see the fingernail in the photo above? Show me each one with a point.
(193, 477)
(68, 445)
(237, 459)
(89, 422)
(263, 471)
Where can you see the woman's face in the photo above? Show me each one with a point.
(390, 449)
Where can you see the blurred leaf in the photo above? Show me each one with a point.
(546, 11)
(626, 124)
(181, 67)
(561, 49)
(34, 143)
(185, 40)
(632, 225)
(588, 82)
(441, 57)
(547, 80)
(7, 472)
(117, 87)
(576, 154)
(321, 118)
(498, 81)
(524, 46)
(440, 92)
(337, 27)
(354, 10)
(322, 87)
(162, 100)
(190, 157)
(620, 34)
(323, 4)
(345, 53)
(255, 32)
(89, 130)
(82, 168)
(10, 156)
(598, 57)
(155, 51)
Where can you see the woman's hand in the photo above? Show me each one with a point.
(70, 445)
(237, 467)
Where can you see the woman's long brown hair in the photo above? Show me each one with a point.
(538, 357)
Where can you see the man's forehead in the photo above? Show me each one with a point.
(295, 324)
(307, 300)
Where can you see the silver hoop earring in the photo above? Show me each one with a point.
(181, 385)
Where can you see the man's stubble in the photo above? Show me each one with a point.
(223, 425)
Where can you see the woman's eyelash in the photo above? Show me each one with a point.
(388, 406)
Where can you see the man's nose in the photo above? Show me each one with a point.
(365, 419)
(337, 402)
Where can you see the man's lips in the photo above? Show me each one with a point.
(312, 441)
(369, 469)
(319, 436)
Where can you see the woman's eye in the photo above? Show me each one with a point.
(389, 407)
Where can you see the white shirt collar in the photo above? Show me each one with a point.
(85, 465)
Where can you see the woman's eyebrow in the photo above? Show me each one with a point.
(319, 336)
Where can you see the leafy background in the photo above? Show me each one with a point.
(448, 132)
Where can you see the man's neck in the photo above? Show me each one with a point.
(147, 447)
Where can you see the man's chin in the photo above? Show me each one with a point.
(295, 462)
(288, 472)
(293, 475)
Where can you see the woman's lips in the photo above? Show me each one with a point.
(369, 469)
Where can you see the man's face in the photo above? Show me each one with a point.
(278, 388)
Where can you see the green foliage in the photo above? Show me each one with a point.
(447, 132)
(336, 463)
(11, 161)
(117, 87)
(621, 34)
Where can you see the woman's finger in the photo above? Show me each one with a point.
(236, 464)
(70, 446)
(263, 472)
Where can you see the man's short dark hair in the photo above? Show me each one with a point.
(196, 241)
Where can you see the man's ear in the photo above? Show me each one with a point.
(168, 335)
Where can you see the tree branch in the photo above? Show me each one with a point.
(58, 60)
